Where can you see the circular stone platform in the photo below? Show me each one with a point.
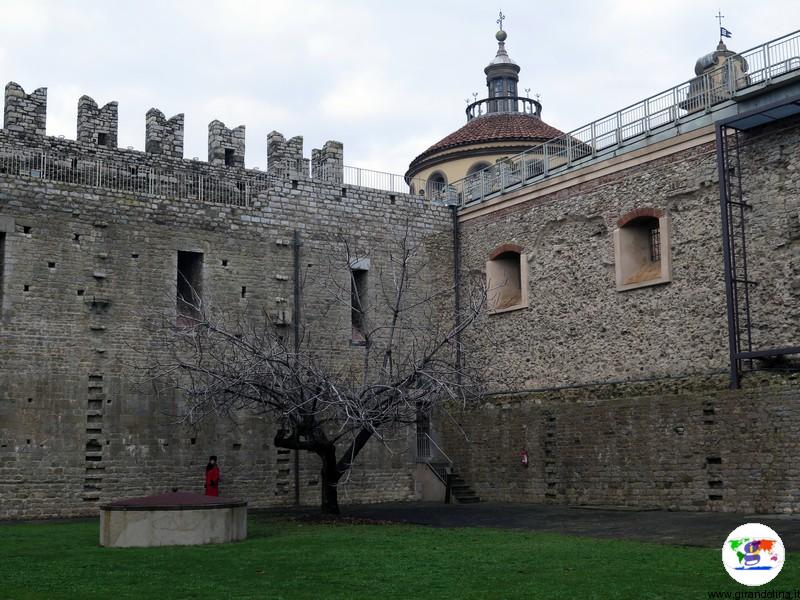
(174, 519)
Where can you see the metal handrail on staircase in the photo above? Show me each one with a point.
(443, 469)
(424, 443)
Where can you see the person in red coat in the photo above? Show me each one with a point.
(212, 477)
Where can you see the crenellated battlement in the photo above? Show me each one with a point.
(95, 158)
(225, 146)
(163, 136)
(328, 163)
(25, 113)
(286, 156)
(97, 125)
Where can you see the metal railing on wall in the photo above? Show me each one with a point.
(184, 184)
(762, 64)
(130, 177)
(753, 67)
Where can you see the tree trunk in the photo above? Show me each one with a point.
(330, 481)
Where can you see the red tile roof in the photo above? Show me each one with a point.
(504, 127)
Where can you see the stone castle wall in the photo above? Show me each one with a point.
(619, 397)
(680, 439)
(83, 267)
(674, 444)
(579, 329)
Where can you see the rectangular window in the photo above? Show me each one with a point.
(189, 286)
(102, 139)
(358, 303)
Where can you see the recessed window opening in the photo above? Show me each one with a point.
(642, 249)
(641, 246)
(358, 304)
(189, 287)
(102, 139)
(230, 153)
(507, 278)
(506, 281)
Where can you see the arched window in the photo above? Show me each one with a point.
(642, 249)
(478, 166)
(437, 182)
(507, 279)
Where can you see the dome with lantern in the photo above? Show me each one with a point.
(498, 126)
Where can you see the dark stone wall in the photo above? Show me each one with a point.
(681, 439)
(85, 266)
(677, 444)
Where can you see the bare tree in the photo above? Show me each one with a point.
(409, 360)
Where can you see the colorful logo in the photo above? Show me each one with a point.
(753, 554)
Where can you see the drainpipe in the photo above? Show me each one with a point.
(457, 290)
(296, 334)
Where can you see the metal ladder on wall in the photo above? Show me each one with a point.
(738, 282)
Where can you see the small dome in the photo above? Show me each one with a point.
(501, 58)
(712, 59)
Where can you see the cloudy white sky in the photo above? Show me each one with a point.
(387, 78)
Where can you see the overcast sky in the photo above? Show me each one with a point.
(387, 79)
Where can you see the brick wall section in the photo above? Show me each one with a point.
(82, 268)
(681, 444)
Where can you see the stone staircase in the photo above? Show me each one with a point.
(460, 490)
(458, 487)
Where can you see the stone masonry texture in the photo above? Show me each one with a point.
(620, 398)
(674, 436)
(82, 267)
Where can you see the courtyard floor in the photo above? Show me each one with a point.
(707, 529)
(414, 551)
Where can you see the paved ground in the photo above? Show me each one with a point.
(680, 528)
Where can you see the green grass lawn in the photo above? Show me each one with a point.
(290, 559)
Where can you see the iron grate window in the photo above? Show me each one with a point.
(655, 244)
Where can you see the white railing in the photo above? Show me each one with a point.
(182, 184)
(130, 177)
(377, 180)
(753, 67)
(763, 64)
